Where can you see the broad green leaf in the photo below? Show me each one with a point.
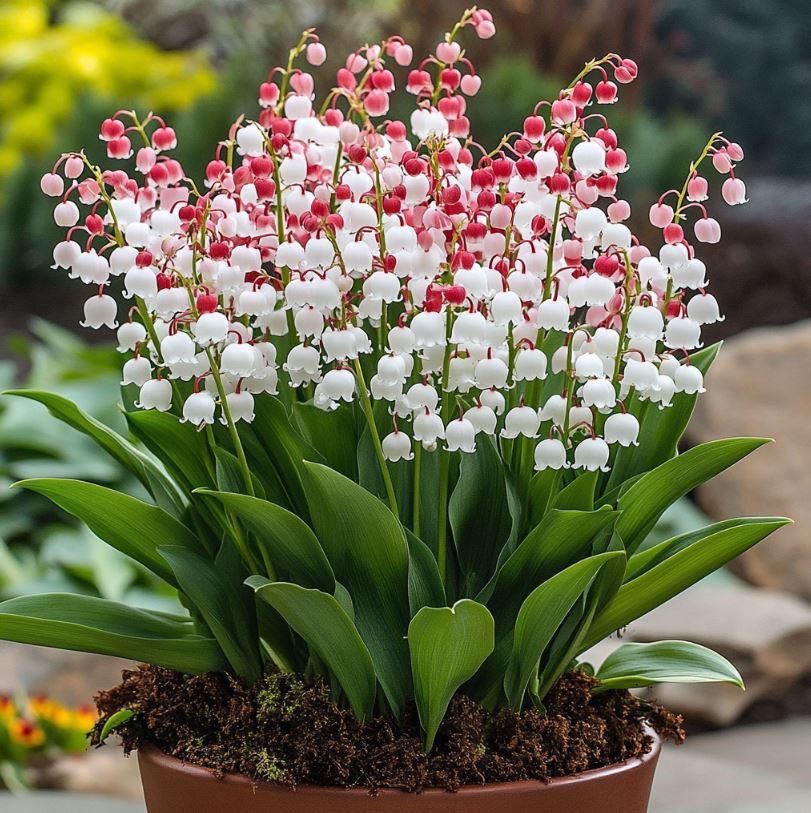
(448, 645)
(285, 447)
(321, 621)
(229, 474)
(425, 587)
(126, 523)
(218, 600)
(479, 514)
(332, 433)
(293, 548)
(660, 429)
(539, 618)
(366, 546)
(542, 488)
(181, 448)
(118, 447)
(646, 500)
(633, 666)
(648, 558)
(677, 573)
(90, 624)
(579, 494)
(114, 721)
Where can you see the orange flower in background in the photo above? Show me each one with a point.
(26, 733)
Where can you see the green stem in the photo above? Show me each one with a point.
(366, 405)
(415, 519)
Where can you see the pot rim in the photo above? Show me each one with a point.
(153, 754)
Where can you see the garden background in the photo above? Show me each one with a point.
(739, 65)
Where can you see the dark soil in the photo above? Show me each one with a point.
(288, 731)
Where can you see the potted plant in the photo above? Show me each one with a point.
(407, 410)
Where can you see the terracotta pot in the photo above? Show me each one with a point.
(171, 786)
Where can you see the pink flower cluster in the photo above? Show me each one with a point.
(352, 256)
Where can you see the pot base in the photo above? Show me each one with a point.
(171, 786)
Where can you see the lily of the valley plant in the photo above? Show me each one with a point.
(406, 409)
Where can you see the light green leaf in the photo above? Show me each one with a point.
(114, 721)
(126, 523)
(425, 588)
(321, 621)
(90, 624)
(447, 646)
(633, 666)
(332, 433)
(539, 618)
(293, 548)
(677, 573)
(217, 598)
(646, 500)
(366, 547)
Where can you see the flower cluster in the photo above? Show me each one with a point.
(356, 257)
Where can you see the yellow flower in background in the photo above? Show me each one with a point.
(46, 67)
(26, 733)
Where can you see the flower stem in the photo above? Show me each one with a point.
(415, 519)
(366, 405)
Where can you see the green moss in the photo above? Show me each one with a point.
(269, 768)
(279, 695)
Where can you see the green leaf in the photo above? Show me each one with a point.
(366, 547)
(539, 618)
(123, 522)
(633, 666)
(425, 587)
(180, 447)
(293, 548)
(321, 621)
(285, 447)
(90, 624)
(479, 514)
(646, 500)
(115, 720)
(579, 494)
(677, 573)
(332, 433)
(217, 599)
(648, 558)
(119, 448)
(229, 474)
(448, 645)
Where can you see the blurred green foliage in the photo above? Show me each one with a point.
(41, 548)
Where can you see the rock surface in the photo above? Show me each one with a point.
(760, 385)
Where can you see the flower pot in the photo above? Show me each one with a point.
(170, 786)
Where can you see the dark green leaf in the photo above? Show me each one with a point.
(425, 587)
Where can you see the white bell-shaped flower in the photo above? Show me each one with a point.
(140, 282)
(622, 428)
(494, 399)
(460, 435)
(590, 222)
(250, 140)
(211, 328)
(382, 285)
(100, 311)
(428, 428)
(303, 358)
(483, 419)
(688, 378)
(240, 405)
(553, 314)
(692, 274)
(550, 454)
(506, 308)
(309, 322)
(397, 446)
(136, 371)
(339, 384)
(392, 369)
(591, 454)
(357, 257)
(429, 329)
(66, 214)
(589, 157)
(385, 390)
(470, 327)
(530, 365)
(199, 408)
(554, 410)
(155, 394)
(491, 372)
(645, 321)
(683, 333)
(703, 308)
(130, 335)
(599, 393)
(339, 345)
(422, 396)
(642, 375)
(402, 340)
(589, 365)
(521, 420)
(66, 254)
(664, 392)
(238, 360)
(598, 289)
(461, 370)
(177, 347)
